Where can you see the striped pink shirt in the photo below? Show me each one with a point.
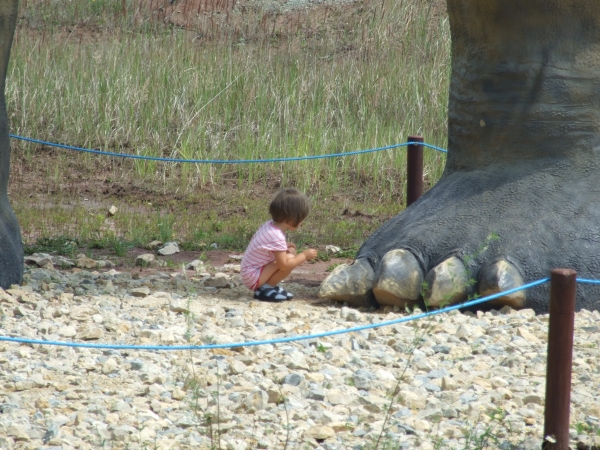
(266, 240)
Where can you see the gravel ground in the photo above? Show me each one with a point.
(470, 378)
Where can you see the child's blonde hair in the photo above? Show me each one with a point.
(289, 205)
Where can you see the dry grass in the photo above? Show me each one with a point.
(121, 76)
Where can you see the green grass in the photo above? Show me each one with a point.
(95, 75)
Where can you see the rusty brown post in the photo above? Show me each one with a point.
(414, 170)
(563, 288)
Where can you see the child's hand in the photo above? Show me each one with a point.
(310, 254)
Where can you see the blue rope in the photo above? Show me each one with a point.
(281, 340)
(222, 161)
(587, 281)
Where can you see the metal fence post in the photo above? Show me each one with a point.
(563, 289)
(414, 170)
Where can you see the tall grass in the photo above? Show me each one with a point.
(110, 75)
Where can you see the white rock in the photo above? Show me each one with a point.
(196, 265)
(67, 331)
(338, 397)
(256, 401)
(535, 399)
(110, 366)
(220, 280)
(81, 313)
(153, 245)
(350, 314)
(18, 432)
(236, 268)
(332, 249)
(413, 400)
(88, 333)
(145, 260)
(527, 335)
(169, 248)
(84, 262)
(319, 432)
(179, 306)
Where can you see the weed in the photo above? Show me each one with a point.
(587, 428)
(419, 339)
(204, 419)
(486, 437)
(120, 247)
(287, 417)
(231, 241)
(323, 256)
(164, 224)
(347, 254)
(62, 245)
(332, 267)
(416, 343)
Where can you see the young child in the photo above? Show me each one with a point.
(269, 258)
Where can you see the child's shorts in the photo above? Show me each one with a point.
(250, 278)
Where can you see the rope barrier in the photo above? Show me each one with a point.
(587, 281)
(281, 340)
(222, 161)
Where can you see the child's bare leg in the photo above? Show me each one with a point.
(272, 275)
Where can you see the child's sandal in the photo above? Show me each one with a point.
(288, 295)
(270, 294)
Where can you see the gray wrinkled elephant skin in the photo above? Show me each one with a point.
(11, 247)
(523, 159)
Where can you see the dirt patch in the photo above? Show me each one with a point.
(215, 16)
(310, 274)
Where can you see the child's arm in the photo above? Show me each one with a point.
(287, 262)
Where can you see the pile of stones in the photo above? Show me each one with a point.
(447, 381)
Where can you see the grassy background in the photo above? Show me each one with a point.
(117, 76)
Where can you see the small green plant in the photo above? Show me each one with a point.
(164, 224)
(120, 247)
(487, 438)
(231, 241)
(348, 254)
(467, 259)
(287, 417)
(322, 256)
(332, 267)
(481, 249)
(205, 419)
(419, 340)
(62, 245)
(585, 428)
(321, 348)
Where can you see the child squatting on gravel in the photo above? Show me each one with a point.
(269, 258)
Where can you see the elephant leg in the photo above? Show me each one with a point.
(11, 247)
(523, 145)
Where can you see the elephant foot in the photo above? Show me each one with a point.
(11, 247)
(479, 233)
